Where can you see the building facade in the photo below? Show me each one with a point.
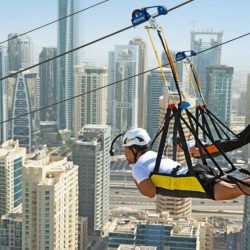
(219, 91)
(91, 154)
(48, 81)
(20, 52)
(12, 158)
(3, 94)
(50, 204)
(11, 231)
(123, 97)
(90, 108)
(142, 86)
(22, 126)
(67, 40)
(155, 88)
(202, 41)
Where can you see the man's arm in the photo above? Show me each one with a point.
(147, 188)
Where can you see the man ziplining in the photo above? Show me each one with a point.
(136, 144)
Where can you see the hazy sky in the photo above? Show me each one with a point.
(230, 16)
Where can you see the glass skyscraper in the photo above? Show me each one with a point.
(201, 41)
(3, 94)
(123, 98)
(21, 126)
(219, 91)
(67, 40)
(48, 80)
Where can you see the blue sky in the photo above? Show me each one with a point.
(230, 16)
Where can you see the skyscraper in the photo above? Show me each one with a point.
(48, 81)
(90, 108)
(155, 88)
(20, 52)
(67, 40)
(21, 127)
(142, 86)
(219, 91)
(50, 204)
(3, 94)
(124, 100)
(201, 41)
(11, 161)
(91, 154)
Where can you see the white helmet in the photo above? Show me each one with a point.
(136, 136)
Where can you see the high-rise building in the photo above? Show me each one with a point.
(11, 231)
(3, 94)
(155, 88)
(50, 204)
(21, 126)
(247, 110)
(123, 98)
(177, 207)
(20, 52)
(219, 91)
(202, 41)
(91, 154)
(48, 80)
(67, 40)
(11, 161)
(246, 221)
(142, 86)
(90, 108)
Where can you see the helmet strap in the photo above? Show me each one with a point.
(134, 153)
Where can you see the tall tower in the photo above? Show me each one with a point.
(3, 94)
(21, 127)
(180, 207)
(91, 153)
(67, 40)
(11, 161)
(20, 52)
(219, 91)
(90, 108)
(201, 41)
(125, 94)
(142, 86)
(50, 204)
(48, 80)
(155, 88)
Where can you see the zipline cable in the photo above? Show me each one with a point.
(84, 45)
(57, 20)
(114, 83)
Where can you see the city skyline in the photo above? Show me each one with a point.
(195, 15)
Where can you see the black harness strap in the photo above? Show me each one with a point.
(163, 141)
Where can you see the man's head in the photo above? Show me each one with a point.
(135, 142)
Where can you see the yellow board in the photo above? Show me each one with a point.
(185, 183)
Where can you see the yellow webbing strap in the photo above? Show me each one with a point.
(185, 183)
(157, 56)
(171, 61)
